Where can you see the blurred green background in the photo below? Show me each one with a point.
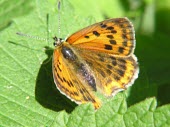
(27, 85)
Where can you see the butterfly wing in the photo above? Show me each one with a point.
(113, 73)
(114, 36)
(108, 47)
(69, 83)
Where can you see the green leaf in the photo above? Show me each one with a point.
(28, 96)
(10, 9)
(139, 115)
(61, 120)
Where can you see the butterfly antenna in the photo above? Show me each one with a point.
(29, 36)
(58, 40)
(59, 18)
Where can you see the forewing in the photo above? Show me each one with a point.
(113, 36)
(69, 84)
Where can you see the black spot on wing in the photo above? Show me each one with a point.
(86, 36)
(121, 49)
(59, 68)
(122, 61)
(123, 66)
(75, 93)
(64, 79)
(96, 33)
(110, 28)
(114, 63)
(125, 43)
(108, 71)
(103, 25)
(117, 78)
(109, 66)
(113, 31)
(121, 72)
(100, 71)
(108, 47)
(112, 42)
(124, 36)
(101, 58)
(110, 36)
(57, 75)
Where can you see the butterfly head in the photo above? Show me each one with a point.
(57, 41)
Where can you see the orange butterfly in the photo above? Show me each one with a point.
(97, 58)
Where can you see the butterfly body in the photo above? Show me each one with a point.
(79, 66)
(97, 58)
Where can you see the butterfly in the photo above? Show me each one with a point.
(99, 58)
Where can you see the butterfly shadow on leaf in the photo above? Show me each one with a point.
(46, 92)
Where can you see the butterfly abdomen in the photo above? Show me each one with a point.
(87, 76)
(82, 70)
